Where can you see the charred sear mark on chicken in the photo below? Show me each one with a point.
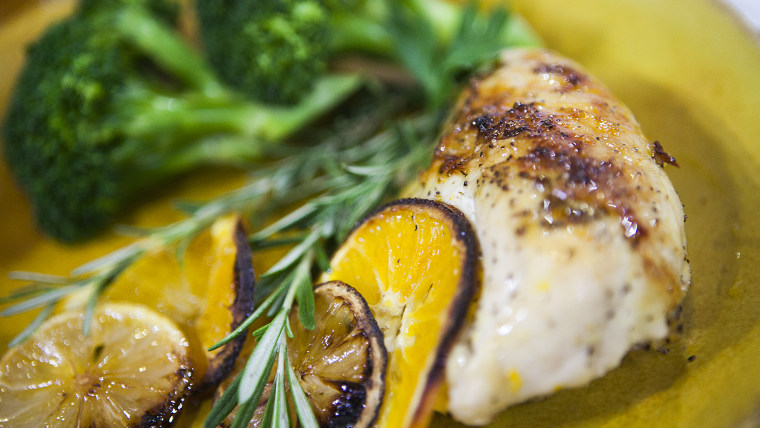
(491, 123)
(576, 187)
(661, 156)
(521, 118)
(453, 163)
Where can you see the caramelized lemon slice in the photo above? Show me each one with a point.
(209, 293)
(415, 263)
(340, 364)
(132, 369)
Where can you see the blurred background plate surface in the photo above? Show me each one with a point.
(690, 71)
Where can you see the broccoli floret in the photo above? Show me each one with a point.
(274, 49)
(111, 102)
(269, 49)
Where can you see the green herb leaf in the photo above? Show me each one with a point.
(89, 310)
(259, 364)
(33, 326)
(37, 277)
(26, 292)
(285, 222)
(293, 255)
(111, 260)
(246, 410)
(305, 299)
(323, 261)
(262, 244)
(224, 405)
(479, 39)
(248, 321)
(131, 231)
(436, 62)
(303, 408)
(280, 417)
(49, 297)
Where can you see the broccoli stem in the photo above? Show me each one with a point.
(148, 116)
(166, 136)
(359, 34)
(161, 44)
(143, 171)
(210, 108)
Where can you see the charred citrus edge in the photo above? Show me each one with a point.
(165, 414)
(376, 382)
(467, 288)
(241, 308)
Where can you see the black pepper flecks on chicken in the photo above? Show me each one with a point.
(582, 232)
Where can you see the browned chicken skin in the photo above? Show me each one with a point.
(582, 234)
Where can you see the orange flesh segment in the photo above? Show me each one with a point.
(215, 263)
(405, 266)
(196, 294)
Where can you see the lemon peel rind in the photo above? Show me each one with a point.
(242, 307)
(166, 414)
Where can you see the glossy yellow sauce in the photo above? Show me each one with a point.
(691, 75)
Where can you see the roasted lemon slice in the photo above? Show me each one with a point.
(133, 369)
(208, 293)
(415, 263)
(340, 364)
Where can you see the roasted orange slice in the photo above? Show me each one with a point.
(340, 364)
(416, 263)
(133, 369)
(208, 292)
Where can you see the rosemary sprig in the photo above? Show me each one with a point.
(96, 275)
(324, 220)
(341, 179)
(297, 175)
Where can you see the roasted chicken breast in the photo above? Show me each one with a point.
(582, 233)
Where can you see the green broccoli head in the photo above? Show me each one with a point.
(272, 50)
(112, 102)
(85, 115)
(55, 143)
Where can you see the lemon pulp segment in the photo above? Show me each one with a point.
(132, 369)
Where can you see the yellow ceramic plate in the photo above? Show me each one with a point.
(691, 74)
